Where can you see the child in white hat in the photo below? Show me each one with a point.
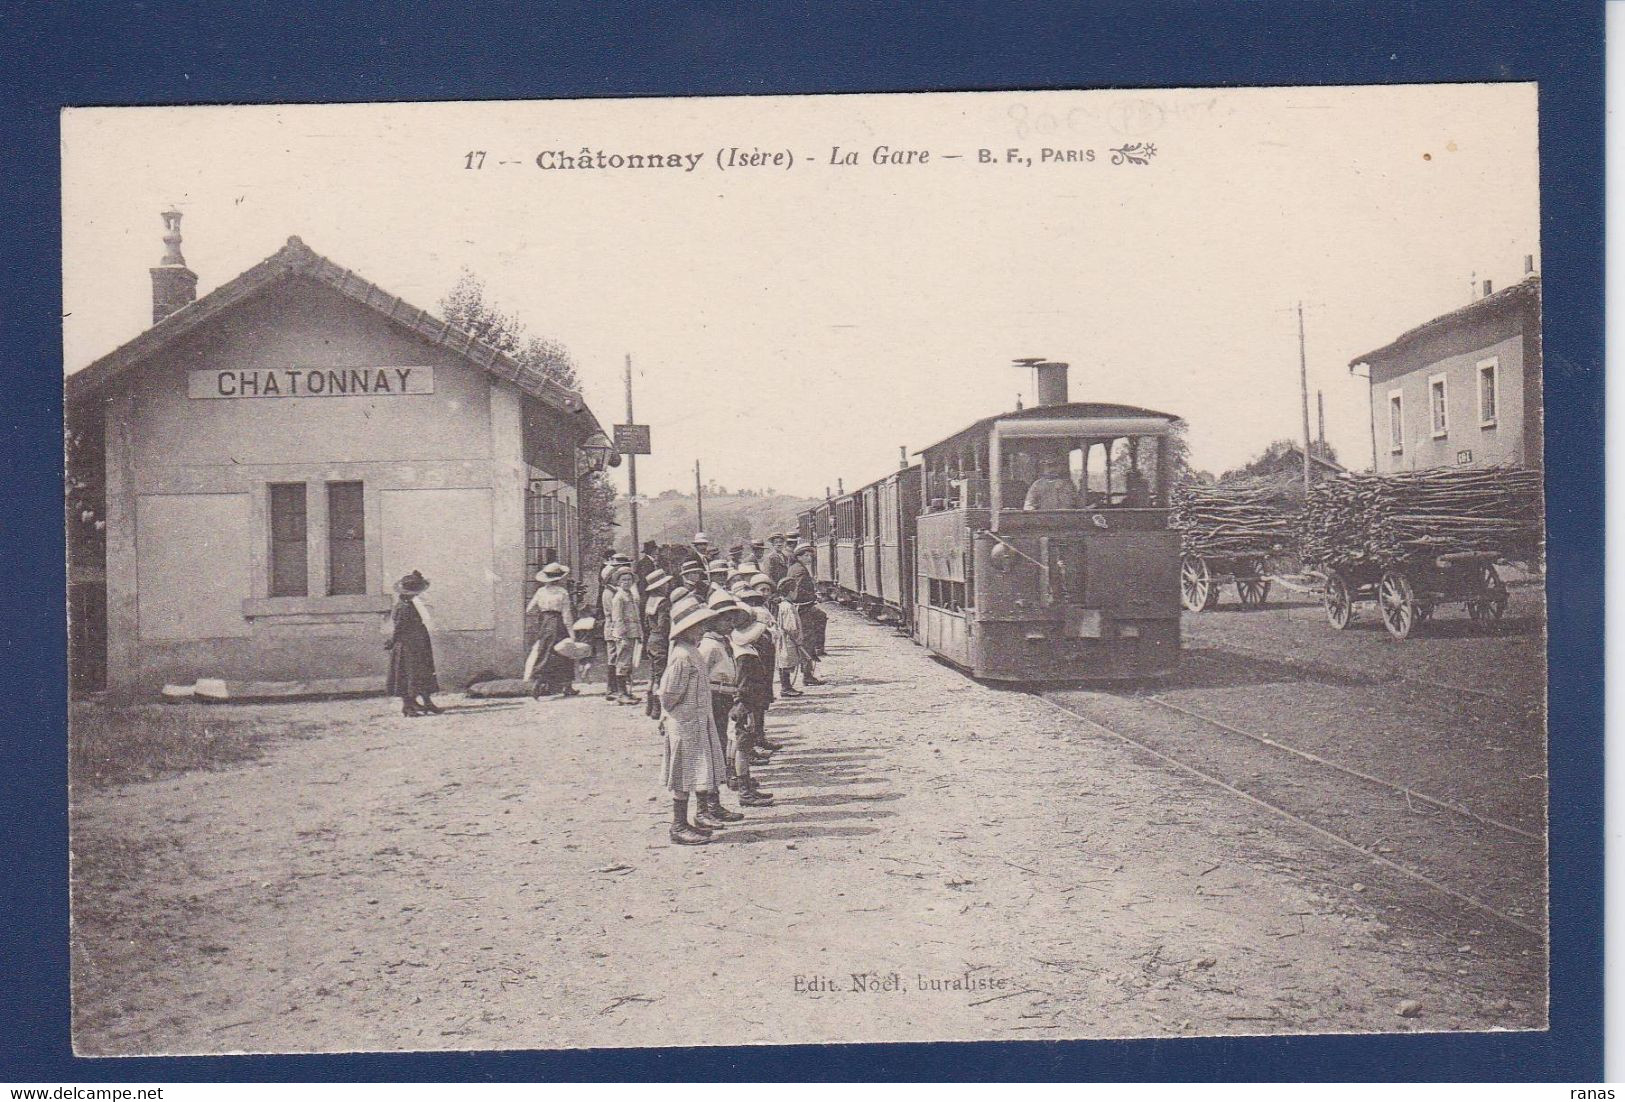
(693, 762)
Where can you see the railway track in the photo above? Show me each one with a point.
(1492, 867)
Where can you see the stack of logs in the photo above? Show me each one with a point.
(1379, 520)
(1244, 518)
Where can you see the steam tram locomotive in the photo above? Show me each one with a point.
(1076, 580)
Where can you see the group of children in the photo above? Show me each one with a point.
(714, 637)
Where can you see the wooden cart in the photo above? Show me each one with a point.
(1200, 578)
(1407, 593)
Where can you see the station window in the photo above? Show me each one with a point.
(1487, 392)
(1396, 421)
(289, 577)
(1437, 408)
(346, 539)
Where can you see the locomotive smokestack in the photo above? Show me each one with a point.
(1051, 383)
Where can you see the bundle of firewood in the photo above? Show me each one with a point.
(1245, 518)
(1379, 520)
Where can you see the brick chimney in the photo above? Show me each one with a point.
(173, 283)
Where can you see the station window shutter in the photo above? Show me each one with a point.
(346, 539)
(289, 576)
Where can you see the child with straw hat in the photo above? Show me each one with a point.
(693, 764)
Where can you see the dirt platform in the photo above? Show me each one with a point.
(944, 861)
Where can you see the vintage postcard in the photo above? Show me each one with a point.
(784, 570)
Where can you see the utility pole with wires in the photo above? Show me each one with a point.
(1303, 385)
(699, 497)
(631, 464)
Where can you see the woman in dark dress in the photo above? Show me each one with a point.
(411, 654)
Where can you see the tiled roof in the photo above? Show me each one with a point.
(297, 258)
(1503, 299)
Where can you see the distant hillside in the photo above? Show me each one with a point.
(728, 517)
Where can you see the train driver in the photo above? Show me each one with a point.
(1053, 488)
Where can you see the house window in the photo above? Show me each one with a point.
(288, 574)
(1396, 421)
(346, 539)
(1488, 395)
(1436, 406)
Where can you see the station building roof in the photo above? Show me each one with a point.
(298, 259)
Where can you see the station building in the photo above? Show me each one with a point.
(276, 454)
(1462, 390)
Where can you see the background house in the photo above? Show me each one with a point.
(1462, 390)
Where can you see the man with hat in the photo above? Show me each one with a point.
(696, 579)
(777, 563)
(647, 563)
(735, 553)
(411, 653)
(701, 548)
(804, 592)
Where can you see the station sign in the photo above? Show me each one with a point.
(632, 439)
(309, 382)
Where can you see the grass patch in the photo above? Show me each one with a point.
(110, 745)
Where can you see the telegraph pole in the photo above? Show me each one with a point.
(631, 466)
(1303, 385)
(699, 496)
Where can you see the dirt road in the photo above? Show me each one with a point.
(944, 861)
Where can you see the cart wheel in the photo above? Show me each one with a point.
(1493, 605)
(1252, 591)
(1196, 589)
(1338, 601)
(1398, 604)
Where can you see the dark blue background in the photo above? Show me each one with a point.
(159, 53)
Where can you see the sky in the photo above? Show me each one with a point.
(794, 324)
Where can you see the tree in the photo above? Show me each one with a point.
(467, 307)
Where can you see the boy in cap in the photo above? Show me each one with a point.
(623, 630)
(657, 617)
(755, 679)
(721, 676)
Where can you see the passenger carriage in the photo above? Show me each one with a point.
(882, 585)
(1090, 591)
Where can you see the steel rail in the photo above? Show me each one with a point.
(1338, 839)
(1407, 792)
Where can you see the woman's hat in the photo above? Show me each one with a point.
(717, 567)
(699, 537)
(801, 548)
(721, 600)
(574, 651)
(657, 578)
(688, 613)
(759, 580)
(678, 594)
(552, 572)
(748, 568)
(586, 623)
(747, 636)
(692, 566)
(411, 584)
(619, 559)
(626, 572)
